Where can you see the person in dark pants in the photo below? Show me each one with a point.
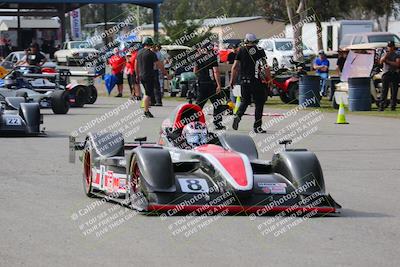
(209, 82)
(390, 77)
(253, 70)
(156, 101)
(146, 62)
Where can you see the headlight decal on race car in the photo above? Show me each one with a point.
(273, 188)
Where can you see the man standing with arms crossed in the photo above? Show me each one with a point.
(146, 63)
(251, 60)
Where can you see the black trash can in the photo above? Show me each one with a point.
(359, 94)
(309, 90)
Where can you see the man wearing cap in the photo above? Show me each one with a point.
(117, 63)
(146, 63)
(321, 65)
(251, 60)
(390, 77)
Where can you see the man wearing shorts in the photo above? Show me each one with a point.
(117, 63)
(146, 63)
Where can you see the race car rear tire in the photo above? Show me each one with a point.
(87, 173)
(59, 102)
(92, 94)
(159, 179)
(81, 93)
(137, 199)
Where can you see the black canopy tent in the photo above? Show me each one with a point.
(58, 8)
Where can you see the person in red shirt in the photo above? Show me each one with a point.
(117, 63)
(130, 69)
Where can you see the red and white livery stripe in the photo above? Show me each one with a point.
(235, 167)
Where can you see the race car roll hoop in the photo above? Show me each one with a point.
(224, 174)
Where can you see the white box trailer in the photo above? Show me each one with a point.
(332, 32)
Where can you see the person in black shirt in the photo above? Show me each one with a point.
(232, 55)
(390, 76)
(145, 64)
(34, 57)
(209, 82)
(340, 62)
(253, 71)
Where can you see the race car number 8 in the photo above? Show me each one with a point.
(194, 185)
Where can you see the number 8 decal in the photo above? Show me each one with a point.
(194, 185)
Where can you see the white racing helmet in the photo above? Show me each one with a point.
(195, 133)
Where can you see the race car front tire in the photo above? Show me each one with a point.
(87, 173)
(300, 167)
(59, 101)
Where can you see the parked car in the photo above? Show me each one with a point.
(9, 62)
(280, 51)
(368, 37)
(177, 61)
(77, 52)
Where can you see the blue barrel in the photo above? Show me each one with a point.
(309, 91)
(359, 94)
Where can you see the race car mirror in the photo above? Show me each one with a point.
(71, 149)
(285, 142)
(73, 146)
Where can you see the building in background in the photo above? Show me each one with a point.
(332, 32)
(41, 31)
(231, 28)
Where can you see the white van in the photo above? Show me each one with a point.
(280, 51)
(368, 37)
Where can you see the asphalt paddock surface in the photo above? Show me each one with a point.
(46, 220)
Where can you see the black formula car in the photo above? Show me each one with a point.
(19, 118)
(223, 175)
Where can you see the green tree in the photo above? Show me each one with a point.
(382, 9)
(184, 30)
